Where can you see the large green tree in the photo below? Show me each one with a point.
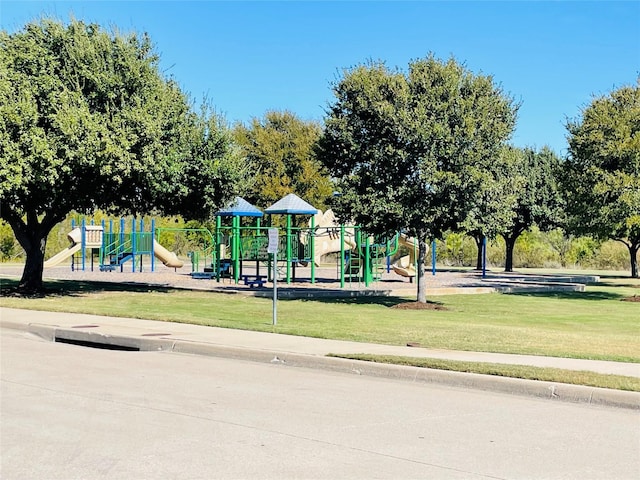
(602, 171)
(538, 199)
(407, 147)
(491, 210)
(88, 121)
(280, 149)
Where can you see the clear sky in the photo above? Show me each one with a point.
(250, 57)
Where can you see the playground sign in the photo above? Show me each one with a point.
(273, 241)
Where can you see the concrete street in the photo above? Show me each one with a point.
(71, 412)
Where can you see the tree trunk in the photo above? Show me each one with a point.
(633, 251)
(510, 242)
(479, 241)
(31, 281)
(421, 279)
(32, 236)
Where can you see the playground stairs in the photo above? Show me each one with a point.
(116, 261)
(353, 269)
(379, 269)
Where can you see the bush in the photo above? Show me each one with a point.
(532, 251)
(612, 255)
(10, 249)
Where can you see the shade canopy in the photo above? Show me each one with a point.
(291, 205)
(240, 208)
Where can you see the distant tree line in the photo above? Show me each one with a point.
(89, 123)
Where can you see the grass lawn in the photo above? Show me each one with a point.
(594, 324)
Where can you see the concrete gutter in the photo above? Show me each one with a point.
(157, 341)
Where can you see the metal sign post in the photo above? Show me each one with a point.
(272, 248)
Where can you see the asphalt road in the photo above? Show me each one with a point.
(70, 412)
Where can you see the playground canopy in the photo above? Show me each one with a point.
(240, 208)
(291, 205)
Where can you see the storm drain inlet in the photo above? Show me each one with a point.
(100, 345)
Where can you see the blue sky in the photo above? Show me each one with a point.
(250, 57)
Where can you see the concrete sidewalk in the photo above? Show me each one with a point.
(312, 352)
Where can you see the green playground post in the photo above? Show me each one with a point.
(218, 245)
(367, 262)
(311, 254)
(288, 249)
(235, 248)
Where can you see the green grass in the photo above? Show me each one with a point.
(590, 379)
(594, 324)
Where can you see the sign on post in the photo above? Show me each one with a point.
(272, 248)
(273, 241)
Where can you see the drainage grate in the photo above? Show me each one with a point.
(103, 346)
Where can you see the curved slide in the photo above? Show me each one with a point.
(406, 266)
(170, 259)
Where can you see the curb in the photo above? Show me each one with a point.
(547, 390)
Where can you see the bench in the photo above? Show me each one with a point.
(202, 275)
(253, 280)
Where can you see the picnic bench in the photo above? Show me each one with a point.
(253, 280)
(202, 275)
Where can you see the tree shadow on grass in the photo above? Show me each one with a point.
(570, 295)
(74, 288)
(611, 280)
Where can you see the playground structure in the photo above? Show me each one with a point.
(359, 257)
(237, 247)
(113, 247)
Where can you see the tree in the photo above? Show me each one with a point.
(602, 171)
(491, 211)
(406, 148)
(538, 198)
(88, 121)
(281, 151)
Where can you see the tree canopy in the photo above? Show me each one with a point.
(407, 149)
(492, 209)
(538, 200)
(87, 121)
(280, 149)
(602, 172)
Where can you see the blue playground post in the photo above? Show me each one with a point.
(73, 225)
(102, 247)
(484, 257)
(433, 257)
(133, 245)
(121, 245)
(83, 242)
(141, 233)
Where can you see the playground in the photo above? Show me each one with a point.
(311, 254)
